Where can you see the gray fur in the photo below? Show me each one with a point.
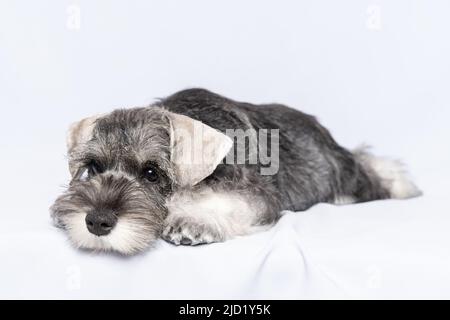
(313, 168)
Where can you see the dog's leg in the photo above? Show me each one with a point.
(206, 215)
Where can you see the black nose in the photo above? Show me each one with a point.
(100, 224)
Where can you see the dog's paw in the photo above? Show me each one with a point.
(189, 232)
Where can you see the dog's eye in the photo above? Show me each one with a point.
(84, 176)
(93, 168)
(151, 174)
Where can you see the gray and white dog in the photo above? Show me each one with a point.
(172, 170)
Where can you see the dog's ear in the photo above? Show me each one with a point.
(79, 133)
(196, 149)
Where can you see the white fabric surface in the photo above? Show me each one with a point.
(383, 249)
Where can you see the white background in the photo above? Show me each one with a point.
(372, 71)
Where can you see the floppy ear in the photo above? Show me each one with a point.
(196, 149)
(79, 132)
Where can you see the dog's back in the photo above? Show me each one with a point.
(312, 166)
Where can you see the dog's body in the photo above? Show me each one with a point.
(211, 201)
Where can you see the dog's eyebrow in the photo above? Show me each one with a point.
(88, 157)
(138, 165)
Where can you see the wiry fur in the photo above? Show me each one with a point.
(139, 205)
(209, 215)
(235, 199)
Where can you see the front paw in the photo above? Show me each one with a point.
(190, 232)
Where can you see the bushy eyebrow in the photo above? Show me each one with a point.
(125, 159)
(129, 163)
(86, 158)
(138, 166)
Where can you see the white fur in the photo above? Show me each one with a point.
(392, 173)
(223, 214)
(343, 200)
(127, 237)
(395, 178)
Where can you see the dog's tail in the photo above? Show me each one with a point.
(391, 174)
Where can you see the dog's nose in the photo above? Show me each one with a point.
(100, 224)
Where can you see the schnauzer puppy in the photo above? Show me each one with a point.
(198, 168)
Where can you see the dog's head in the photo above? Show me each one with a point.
(124, 166)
